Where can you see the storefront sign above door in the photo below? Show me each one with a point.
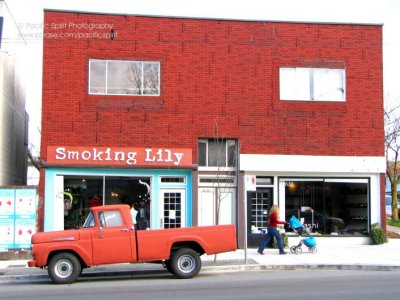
(110, 156)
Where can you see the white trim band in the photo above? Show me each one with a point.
(319, 164)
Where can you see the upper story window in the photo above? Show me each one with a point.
(308, 84)
(217, 153)
(120, 77)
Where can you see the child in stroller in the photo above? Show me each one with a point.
(301, 230)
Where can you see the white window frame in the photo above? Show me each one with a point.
(302, 84)
(184, 180)
(127, 61)
(216, 181)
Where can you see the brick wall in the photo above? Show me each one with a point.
(213, 72)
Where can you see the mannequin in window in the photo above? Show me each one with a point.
(134, 213)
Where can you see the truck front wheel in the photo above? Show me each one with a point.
(64, 268)
(185, 263)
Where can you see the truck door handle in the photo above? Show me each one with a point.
(124, 230)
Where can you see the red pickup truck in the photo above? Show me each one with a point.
(108, 236)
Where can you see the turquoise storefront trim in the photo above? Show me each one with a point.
(156, 186)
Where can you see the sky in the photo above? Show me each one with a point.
(28, 15)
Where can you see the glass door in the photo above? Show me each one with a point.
(258, 206)
(173, 208)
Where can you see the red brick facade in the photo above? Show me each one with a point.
(220, 72)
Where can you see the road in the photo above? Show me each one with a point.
(271, 284)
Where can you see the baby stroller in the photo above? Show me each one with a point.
(301, 230)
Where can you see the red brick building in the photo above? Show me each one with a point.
(180, 115)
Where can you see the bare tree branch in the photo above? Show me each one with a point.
(135, 77)
(392, 151)
(225, 175)
(36, 162)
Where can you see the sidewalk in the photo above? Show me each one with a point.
(340, 256)
(329, 256)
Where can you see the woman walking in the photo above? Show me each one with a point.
(272, 231)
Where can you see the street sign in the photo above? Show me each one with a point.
(250, 182)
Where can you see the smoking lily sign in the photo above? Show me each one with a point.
(115, 156)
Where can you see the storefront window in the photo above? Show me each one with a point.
(92, 191)
(328, 206)
(85, 192)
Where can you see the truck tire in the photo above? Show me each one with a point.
(167, 264)
(185, 263)
(64, 268)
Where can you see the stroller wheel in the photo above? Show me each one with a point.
(295, 249)
(312, 249)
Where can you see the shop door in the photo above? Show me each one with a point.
(258, 206)
(173, 208)
(208, 200)
(206, 206)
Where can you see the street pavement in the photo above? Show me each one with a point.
(332, 253)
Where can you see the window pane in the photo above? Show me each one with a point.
(231, 154)
(173, 179)
(306, 84)
(97, 77)
(303, 84)
(260, 202)
(134, 76)
(216, 153)
(116, 77)
(348, 207)
(202, 153)
(294, 84)
(151, 78)
(329, 84)
(123, 77)
(287, 79)
(172, 210)
(112, 218)
(305, 201)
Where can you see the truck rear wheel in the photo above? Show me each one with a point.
(167, 264)
(64, 268)
(185, 263)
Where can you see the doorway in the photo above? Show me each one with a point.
(258, 205)
(216, 206)
(172, 208)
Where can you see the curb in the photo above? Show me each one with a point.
(256, 267)
(212, 269)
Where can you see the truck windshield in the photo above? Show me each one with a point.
(89, 222)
